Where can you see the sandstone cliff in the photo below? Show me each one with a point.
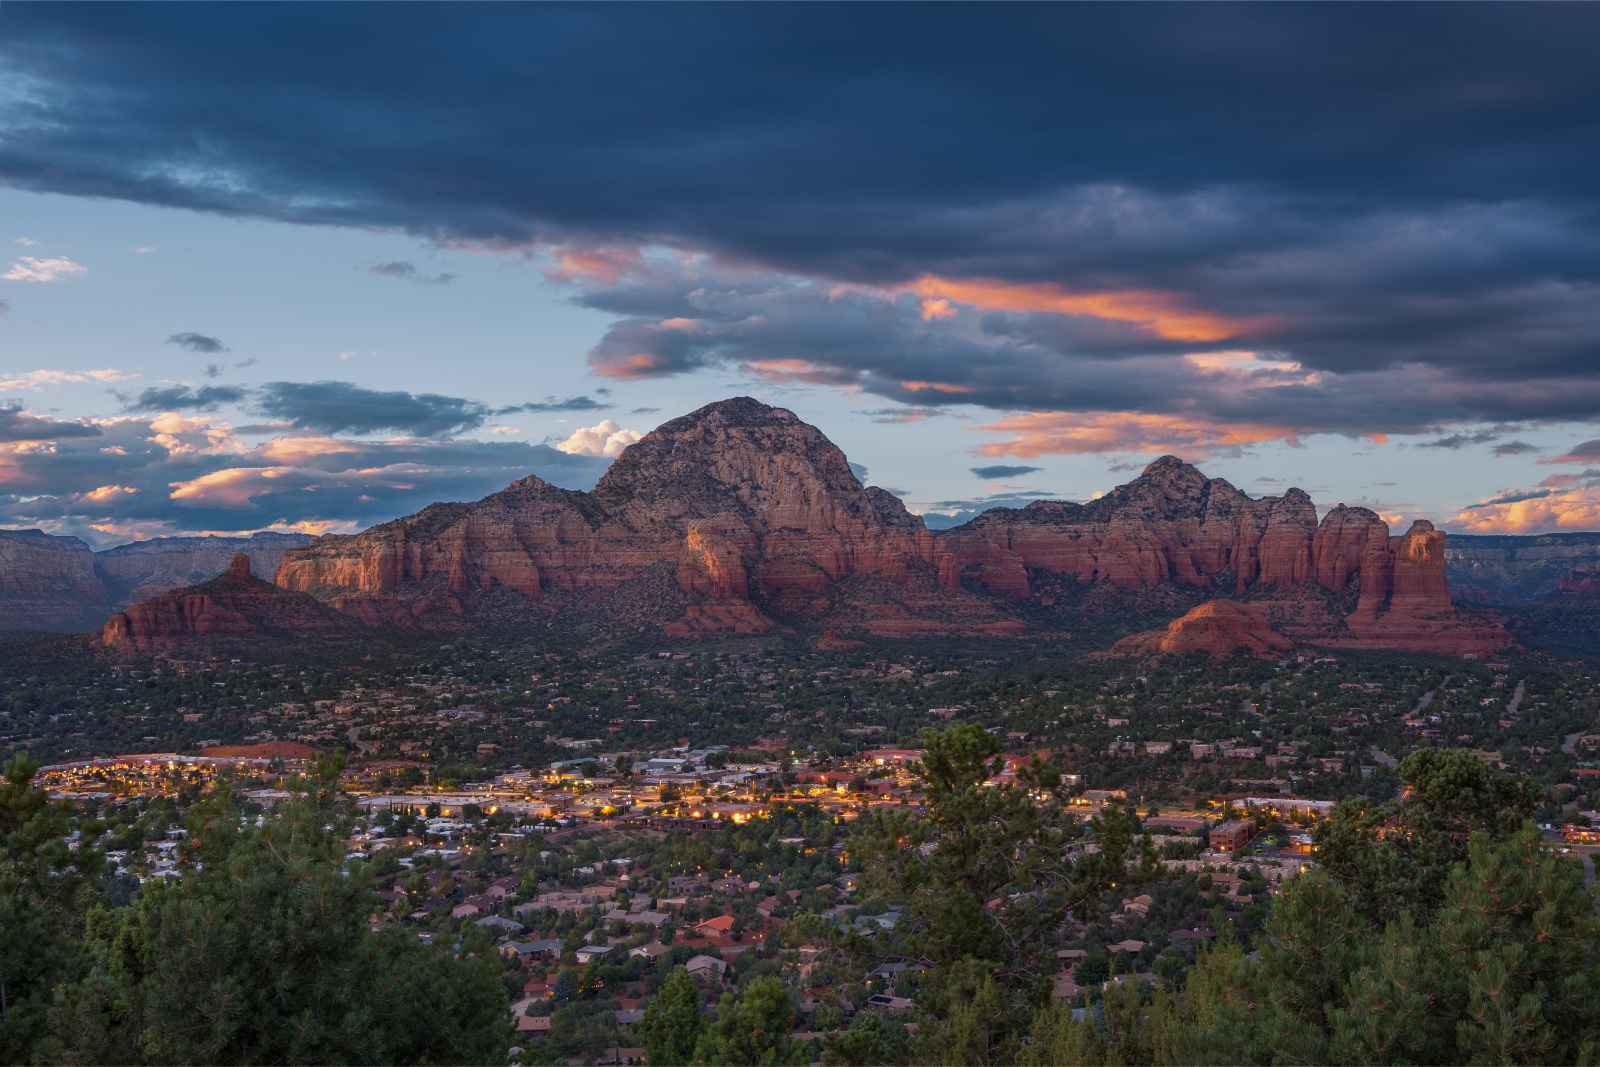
(755, 515)
(740, 517)
(233, 605)
(143, 569)
(1217, 627)
(1174, 526)
(1510, 569)
(49, 583)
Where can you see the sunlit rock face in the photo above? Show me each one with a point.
(741, 518)
(756, 515)
(1172, 525)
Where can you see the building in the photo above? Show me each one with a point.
(1232, 835)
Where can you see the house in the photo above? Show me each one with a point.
(528, 952)
(533, 1026)
(717, 927)
(894, 967)
(465, 911)
(886, 1002)
(590, 953)
(653, 951)
(874, 923)
(706, 968)
(1064, 986)
(501, 926)
(1130, 945)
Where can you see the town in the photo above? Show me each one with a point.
(694, 809)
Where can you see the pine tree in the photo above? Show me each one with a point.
(673, 1023)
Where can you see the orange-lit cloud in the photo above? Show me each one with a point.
(144, 529)
(600, 263)
(1166, 315)
(191, 434)
(934, 387)
(295, 451)
(1042, 433)
(231, 487)
(934, 308)
(801, 370)
(1587, 452)
(1576, 509)
(106, 493)
(633, 365)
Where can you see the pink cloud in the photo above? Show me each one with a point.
(1041, 433)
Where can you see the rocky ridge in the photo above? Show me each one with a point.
(142, 569)
(741, 518)
(52, 582)
(235, 604)
(49, 583)
(756, 514)
(1174, 526)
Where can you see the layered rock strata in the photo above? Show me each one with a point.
(235, 604)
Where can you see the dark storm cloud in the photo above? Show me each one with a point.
(184, 398)
(1511, 498)
(407, 271)
(1416, 222)
(1587, 452)
(789, 329)
(554, 404)
(1515, 448)
(1002, 470)
(343, 407)
(18, 425)
(1457, 441)
(197, 342)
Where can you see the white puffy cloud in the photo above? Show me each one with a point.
(35, 269)
(38, 379)
(604, 438)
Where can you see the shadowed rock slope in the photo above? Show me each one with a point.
(233, 606)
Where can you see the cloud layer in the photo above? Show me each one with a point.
(1202, 230)
(176, 472)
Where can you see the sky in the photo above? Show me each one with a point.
(316, 266)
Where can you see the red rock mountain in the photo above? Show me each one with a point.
(739, 518)
(1217, 627)
(235, 605)
(1174, 526)
(730, 518)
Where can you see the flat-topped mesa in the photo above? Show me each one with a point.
(741, 503)
(234, 604)
(49, 583)
(143, 569)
